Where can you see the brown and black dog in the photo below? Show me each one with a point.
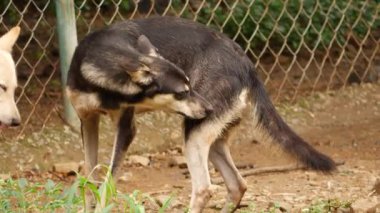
(182, 66)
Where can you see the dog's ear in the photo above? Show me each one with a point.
(8, 40)
(144, 46)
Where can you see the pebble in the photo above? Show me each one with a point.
(5, 176)
(125, 177)
(366, 205)
(376, 187)
(288, 198)
(139, 160)
(66, 168)
(179, 161)
(344, 210)
(174, 203)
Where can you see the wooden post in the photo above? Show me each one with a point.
(67, 37)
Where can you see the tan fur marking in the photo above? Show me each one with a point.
(168, 102)
(94, 75)
(140, 77)
(83, 102)
(213, 129)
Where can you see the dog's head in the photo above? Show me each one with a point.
(166, 86)
(9, 114)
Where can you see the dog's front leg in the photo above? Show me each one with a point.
(125, 133)
(90, 137)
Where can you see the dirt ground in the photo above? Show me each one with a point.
(344, 124)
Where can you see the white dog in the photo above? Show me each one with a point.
(9, 114)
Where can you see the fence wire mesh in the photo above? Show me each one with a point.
(298, 47)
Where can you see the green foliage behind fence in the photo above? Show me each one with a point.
(253, 23)
(293, 22)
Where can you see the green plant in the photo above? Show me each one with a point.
(326, 206)
(24, 196)
(11, 16)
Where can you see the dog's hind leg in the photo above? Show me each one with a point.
(221, 158)
(199, 136)
(126, 131)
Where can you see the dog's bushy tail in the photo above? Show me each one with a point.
(273, 126)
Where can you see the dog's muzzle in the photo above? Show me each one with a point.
(14, 122)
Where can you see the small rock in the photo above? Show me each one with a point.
(300, 198)
(313, 183)
(330, 185)
(365, 205)
(81, 165)
(174, 203)
(177, 186)
(254, 141)
(375, 209)
(125, 177)
(67, 168)
(345, 210)
(288, 199)
(173, 152)
(179, 149)
(179, 161)
(376, 187)
(175, 135)
(139, 160)
(5, 176)
(311, 176)
(285, 207)
(272, 207)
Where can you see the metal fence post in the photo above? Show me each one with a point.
(67, 36)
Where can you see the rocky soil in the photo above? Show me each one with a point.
(344, 124)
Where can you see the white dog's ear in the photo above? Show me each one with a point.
(8, 40)
(146, 47)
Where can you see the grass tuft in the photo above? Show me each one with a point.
(22, 195)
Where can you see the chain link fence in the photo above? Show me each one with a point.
(298, 47)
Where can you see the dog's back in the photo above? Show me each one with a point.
(204, 54)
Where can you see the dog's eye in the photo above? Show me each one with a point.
(3, 87)
(147, 74)
(181, 95)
